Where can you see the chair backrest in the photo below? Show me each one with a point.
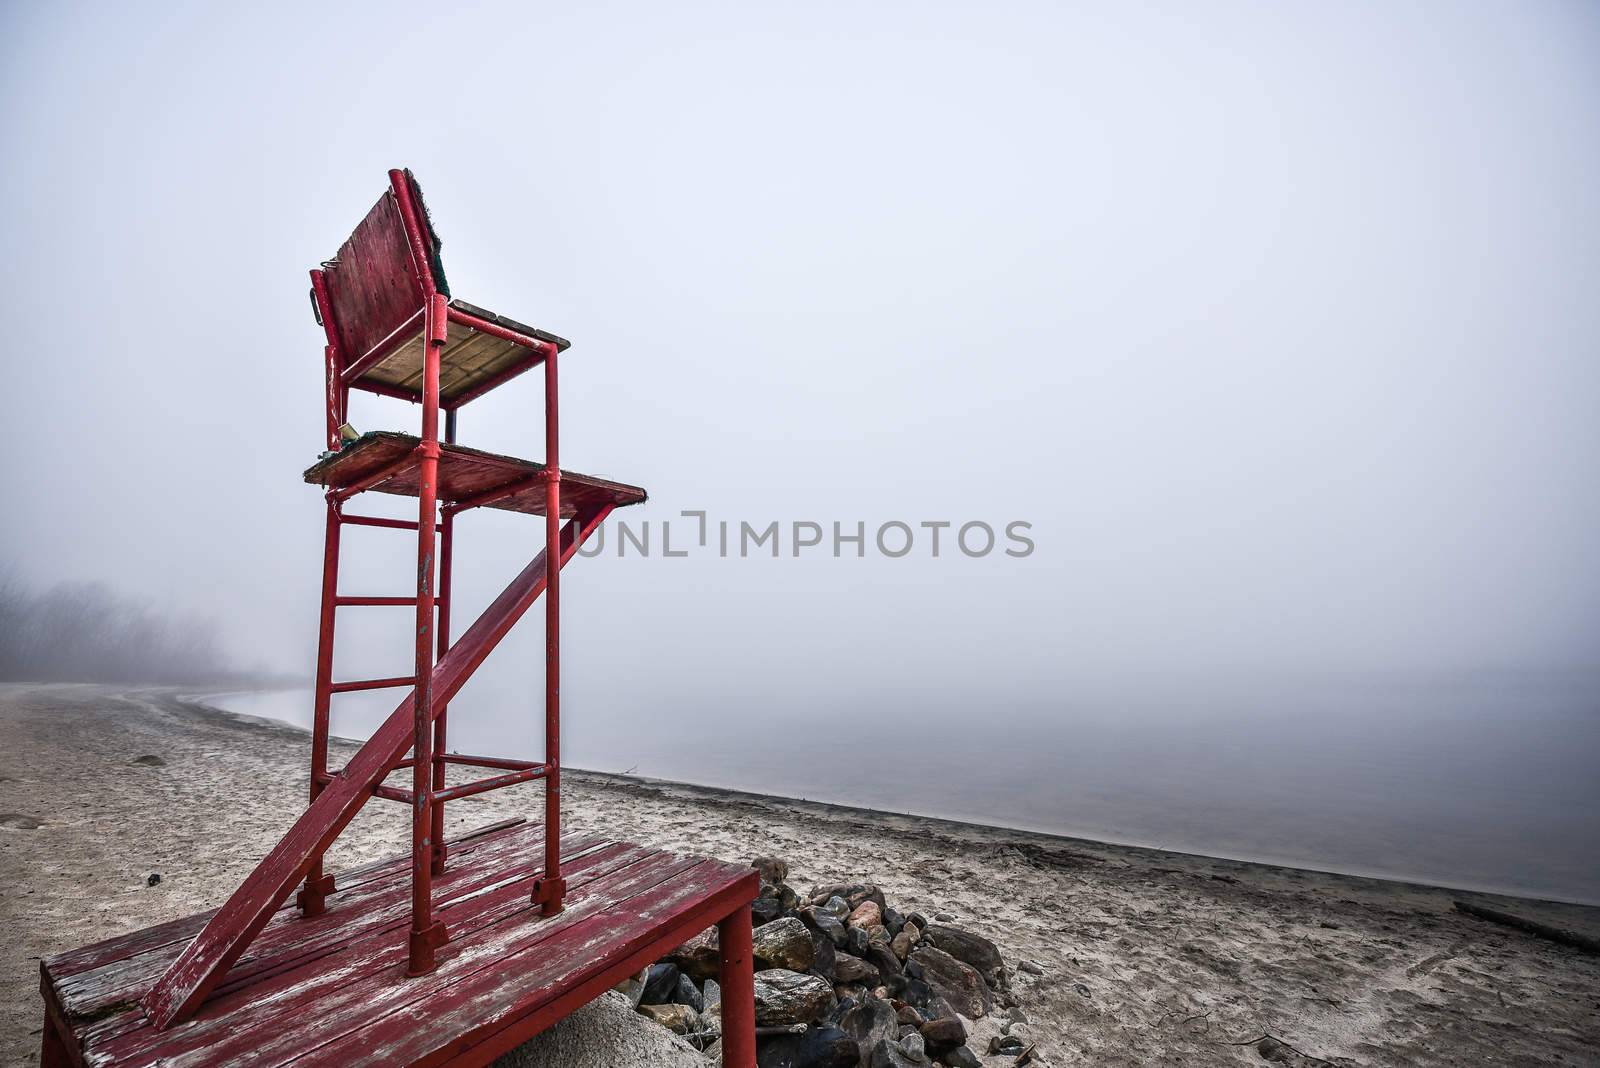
(374, 283)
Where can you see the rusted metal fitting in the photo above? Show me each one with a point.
(547, 894)
(439, 320)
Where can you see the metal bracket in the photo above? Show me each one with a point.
(312, 899)
(423, 944)
(547, 894)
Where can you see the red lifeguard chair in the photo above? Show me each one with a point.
(509, 928)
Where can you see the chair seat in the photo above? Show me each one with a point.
(471, 358)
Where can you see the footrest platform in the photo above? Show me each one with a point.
(332, 989)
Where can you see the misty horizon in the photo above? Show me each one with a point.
(1276, 328)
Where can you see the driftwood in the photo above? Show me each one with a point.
(1543, 930)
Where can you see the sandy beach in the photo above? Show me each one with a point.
(1145, 957)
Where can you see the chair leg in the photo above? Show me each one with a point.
(738, 990)
(52, 1049)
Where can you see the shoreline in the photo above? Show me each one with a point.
(714, 793)
(1135, 956)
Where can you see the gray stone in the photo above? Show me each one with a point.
(848, 969)
(901, 944)
(890, 1054)
(816, 1047)
(767, 907)
(881, 957)
(783, 943)
(700, 958)
(606, 1033)
(825, 923)
(869, 1021)
(632, 987)
(942, 1036)
(953, 980)
(853, 893)
(660, 983)
(962, 1057)
(823, 956)
(969, 948)
(679, 1019)
(686, 994)
(785, 997)
(773, 870)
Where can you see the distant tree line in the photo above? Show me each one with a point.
(87, 632)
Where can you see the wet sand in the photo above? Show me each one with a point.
(1147, 957)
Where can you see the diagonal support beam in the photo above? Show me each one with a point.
(207, 959)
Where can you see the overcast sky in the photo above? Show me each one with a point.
(1277, 323)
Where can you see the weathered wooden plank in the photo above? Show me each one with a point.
(96, 954)
(225, 936)
(503, 893)
(373, 287)
(465, 1012)
(464, 472)
(88, 993)
(386, 914)
(295, 1011)
(477, 1047)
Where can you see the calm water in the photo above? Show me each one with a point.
(1482, 791)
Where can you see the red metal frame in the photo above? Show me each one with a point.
(435, 529)
(414, 736)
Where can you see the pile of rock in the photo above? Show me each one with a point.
(843, 980)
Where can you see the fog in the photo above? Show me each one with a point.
(85, 632)
(1276, 325)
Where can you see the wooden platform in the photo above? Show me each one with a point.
(333, 991)
(465, 474)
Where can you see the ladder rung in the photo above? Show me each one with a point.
(378, 521)
(503, 763)
(372, 684)
(376, 601)
(466, 789)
